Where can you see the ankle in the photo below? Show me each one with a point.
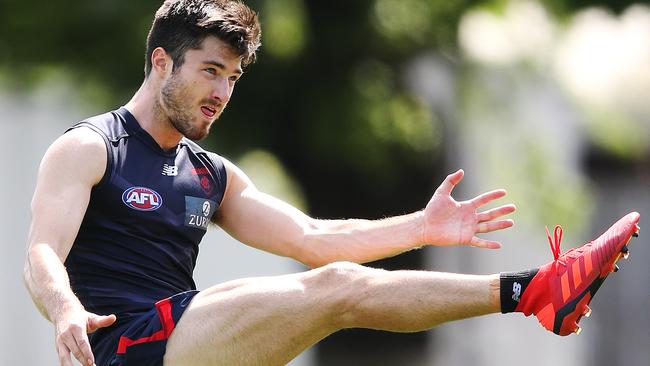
(511, 288)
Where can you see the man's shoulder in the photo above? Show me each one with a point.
(82, 141)
(80, 153)
(109, 125)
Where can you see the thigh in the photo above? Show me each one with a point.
(255, 321)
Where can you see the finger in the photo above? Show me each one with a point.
(484, 198)
(486, 227)
(85, 355)
(482, 243)
(450, 182)
(496, 212)
(71, 343)
(64, 355)
(100, 321)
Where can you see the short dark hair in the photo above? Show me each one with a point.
(181, 25)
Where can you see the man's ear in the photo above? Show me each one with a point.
(161, 62)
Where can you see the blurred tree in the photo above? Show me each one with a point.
(327, 85)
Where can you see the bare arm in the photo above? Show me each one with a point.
(267, 223)
(70, 168)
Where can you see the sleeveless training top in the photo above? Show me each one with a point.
(138, 241)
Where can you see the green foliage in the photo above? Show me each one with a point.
(285, 31)
(270, 177)
(326, 95)
(617, 133)
(97, 40)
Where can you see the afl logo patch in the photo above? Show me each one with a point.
(142, 199)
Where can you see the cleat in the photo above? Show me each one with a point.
(636, 235)
(578, 330)
(625, 251)
(561, 290)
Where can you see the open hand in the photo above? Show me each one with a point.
(449, 222)
(72, 330)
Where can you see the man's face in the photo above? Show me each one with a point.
(195, 94)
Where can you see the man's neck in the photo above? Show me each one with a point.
(144, 107)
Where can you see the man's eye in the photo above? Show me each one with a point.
(211, 71)
(234, 78)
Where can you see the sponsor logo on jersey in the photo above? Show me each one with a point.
(198, 212)
(206, 208)
(142, 199)
(169, 170)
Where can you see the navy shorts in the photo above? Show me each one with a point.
(142, 341)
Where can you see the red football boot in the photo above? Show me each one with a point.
(561, 290)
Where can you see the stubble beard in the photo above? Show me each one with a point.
(174, 93)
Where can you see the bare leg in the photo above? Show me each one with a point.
(270, 320)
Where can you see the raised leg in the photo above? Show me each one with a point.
(270, 320)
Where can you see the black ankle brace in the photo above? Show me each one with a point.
(513, 285)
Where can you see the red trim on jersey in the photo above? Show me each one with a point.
(165, 313)
(200, 171)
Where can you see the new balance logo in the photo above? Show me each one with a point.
(516, 291)
(169, 170)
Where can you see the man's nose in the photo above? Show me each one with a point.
(221, 91)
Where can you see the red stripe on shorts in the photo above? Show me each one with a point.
(165, 313)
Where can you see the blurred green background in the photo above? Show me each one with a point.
(329, 95)
(360, 108)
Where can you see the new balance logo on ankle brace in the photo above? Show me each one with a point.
(516, 291)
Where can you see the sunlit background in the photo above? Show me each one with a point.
(359, 109)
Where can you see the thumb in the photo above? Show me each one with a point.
(450, 182)
(99, 321)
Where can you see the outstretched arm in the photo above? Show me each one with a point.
(267, 223)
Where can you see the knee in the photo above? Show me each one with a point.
(339, 274)
(345, 284)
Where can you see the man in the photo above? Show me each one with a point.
(123, 199)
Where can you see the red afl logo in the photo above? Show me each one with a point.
(142, 199)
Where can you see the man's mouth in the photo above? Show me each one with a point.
(209, 112)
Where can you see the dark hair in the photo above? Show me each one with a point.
(181, 25)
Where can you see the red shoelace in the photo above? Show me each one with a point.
(555, 242)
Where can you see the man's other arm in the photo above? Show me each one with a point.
(270, 224)
(72, 165)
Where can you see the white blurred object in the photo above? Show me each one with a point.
(524, 32)
(604, 59)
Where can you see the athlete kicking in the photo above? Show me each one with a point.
(123, 199)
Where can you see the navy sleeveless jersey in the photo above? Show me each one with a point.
(138, 241)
